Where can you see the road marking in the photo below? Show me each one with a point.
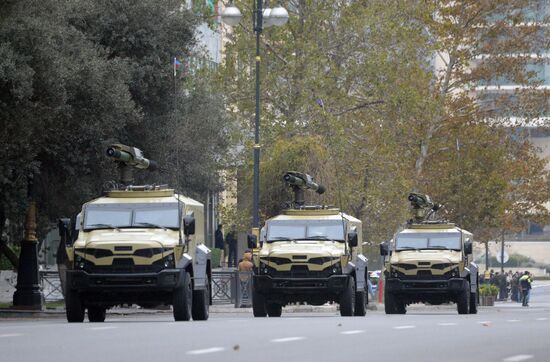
(484, 322)
(358, 331)
(513, 320)
(206, 350)
(519, 357)
(100, 328)
(446, 324)
(7, 335)
(542, 319)
(287, 339)
(404, 327)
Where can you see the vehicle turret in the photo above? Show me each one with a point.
(299, 182)
(127, 158)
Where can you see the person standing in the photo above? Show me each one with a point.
(219, 243)
(525, 284)
(231, 241)
(246, 264)
(515, 287)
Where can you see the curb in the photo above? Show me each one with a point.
(8, 313)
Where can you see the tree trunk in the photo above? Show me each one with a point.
(4, 248)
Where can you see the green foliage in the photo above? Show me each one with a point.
(215, 257)
(488, 289)
(515, 261)
(79, 75)
(395, 80)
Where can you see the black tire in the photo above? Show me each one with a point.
(183, 300)
(473, 303)
(273, 309)
(74, 307)
(96, 314)
(258, 304)
(361, 300)
(201, 305)
(400, 307)
(389, 303)
(463, 302)
(347, 299)
(392, 304)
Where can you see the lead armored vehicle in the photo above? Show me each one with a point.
(310, 254)
(137, 245)
(429, 261)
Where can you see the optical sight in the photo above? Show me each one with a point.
(302, 181)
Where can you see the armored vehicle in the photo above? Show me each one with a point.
(310, 254)
(137, 245)
(429, 261)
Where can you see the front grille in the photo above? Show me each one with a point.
(123, 265)
(300, 271)
(423, 275)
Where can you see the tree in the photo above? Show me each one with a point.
(387, 89)
(77, 76)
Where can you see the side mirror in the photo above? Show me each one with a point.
(189, 225)
(384, 249)
(468, 248)
(251, 241)
(64, 226)
(352, 239)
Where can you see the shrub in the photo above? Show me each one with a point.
(488, 289)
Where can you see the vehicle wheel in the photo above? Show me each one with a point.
(274, 310)
(96, 314)
(258, 304)
(400, 307)
(183, 300)
(74, 307)
(473, 303)
(389, 303)
(347, 299)
(361, 300)
(463, 301)
(201, 304)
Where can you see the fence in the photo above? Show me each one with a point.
(228, 287)
(232, 287)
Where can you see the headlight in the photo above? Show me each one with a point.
(394, 273)
(169, 261)
(79, 262)
(336, 268)
(455, 272)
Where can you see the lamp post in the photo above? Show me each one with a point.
(263, 18)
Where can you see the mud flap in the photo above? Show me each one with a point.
(184, 261)
(200, 272)
(360, 271)
(473, 277)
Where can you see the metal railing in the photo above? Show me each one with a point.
(228, 287)
(50, 285)
(232, 287)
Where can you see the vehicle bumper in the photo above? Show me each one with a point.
(165, 280)
(453, 285)
(266, 284)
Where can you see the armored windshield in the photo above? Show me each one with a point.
(409, 241)
(111, 216)
(304, 230)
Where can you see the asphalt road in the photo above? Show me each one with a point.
(506, 332)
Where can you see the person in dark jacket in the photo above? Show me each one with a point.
(219, 243)
(231, 241)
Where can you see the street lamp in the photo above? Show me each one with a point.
(263, 17)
